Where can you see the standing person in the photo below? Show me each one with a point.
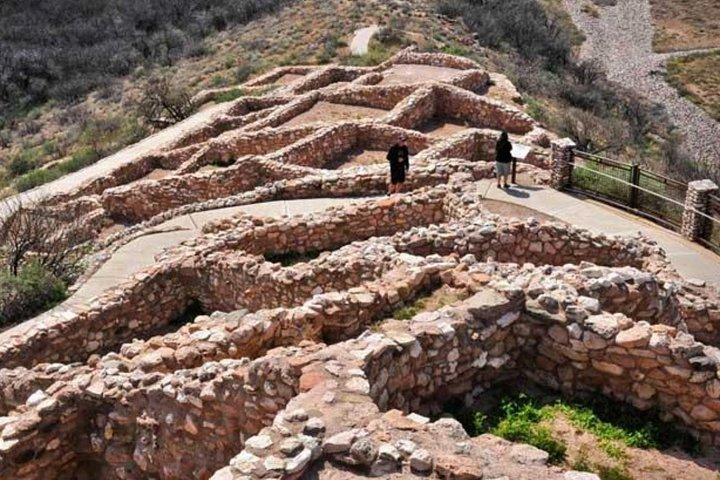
(503, 159)
(399, 158)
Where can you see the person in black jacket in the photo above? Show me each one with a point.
(399, 158)
(503, 159)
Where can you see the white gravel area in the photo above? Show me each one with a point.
(621, 40)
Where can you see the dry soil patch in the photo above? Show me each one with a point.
(400, 74)
(359, 157)
(510, 210)
(686, 24)
(671, 464)
(157, 174)
(333, 112)
(442, 127)
(288, 78)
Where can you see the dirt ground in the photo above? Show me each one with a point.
(417, 73)
(333, 112)
(209, 168)
(442, 128)
(288, 78)
(671, 464)
(157, 174)
(502, 89)
(638, 464)
(359, 157)
(686, 24)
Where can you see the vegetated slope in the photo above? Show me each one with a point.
(537, 48)
(686, 24)
(532, 41)
(698, 78)
(52, 54)
(68, 134)
(62, 49)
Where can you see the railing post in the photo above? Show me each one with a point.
(562, 159)
(635, 180)
(696, 200)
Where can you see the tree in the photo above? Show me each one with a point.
(41, 235)
(164, 104)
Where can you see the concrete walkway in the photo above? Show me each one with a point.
(141, 252)
(691, 260)
(361, 40)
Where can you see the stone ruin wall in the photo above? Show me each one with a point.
(299, 368)
(124, 198)
(525, 319)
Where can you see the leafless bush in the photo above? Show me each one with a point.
(587, 72)
(164, 104)
(590, 134)
(40, 235)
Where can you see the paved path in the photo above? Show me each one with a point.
(361, 40)
(161, 139)
(140, 253)
(621, 40)
(690, 259)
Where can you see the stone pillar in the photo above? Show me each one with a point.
(696, 200)
(562, 157)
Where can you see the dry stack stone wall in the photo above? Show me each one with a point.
(268, 348)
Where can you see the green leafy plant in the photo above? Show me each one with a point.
(33, 290)
(521, 422)
(616, 426)
(229, 95)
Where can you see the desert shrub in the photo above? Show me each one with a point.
(164, 103)
(522, 25)
(377, 53)
(41, 235)
(243, 72)
(33, 290)
(35, 178)
(229, 95)
(24, 161)
(82, 158)
(393, 33)
(218, 81)
(39, 257)
(330, 45)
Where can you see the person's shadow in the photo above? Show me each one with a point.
(516, 191)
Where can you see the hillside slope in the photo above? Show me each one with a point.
(532, 42)
(82, 130)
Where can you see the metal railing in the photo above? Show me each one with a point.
(630, 187)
